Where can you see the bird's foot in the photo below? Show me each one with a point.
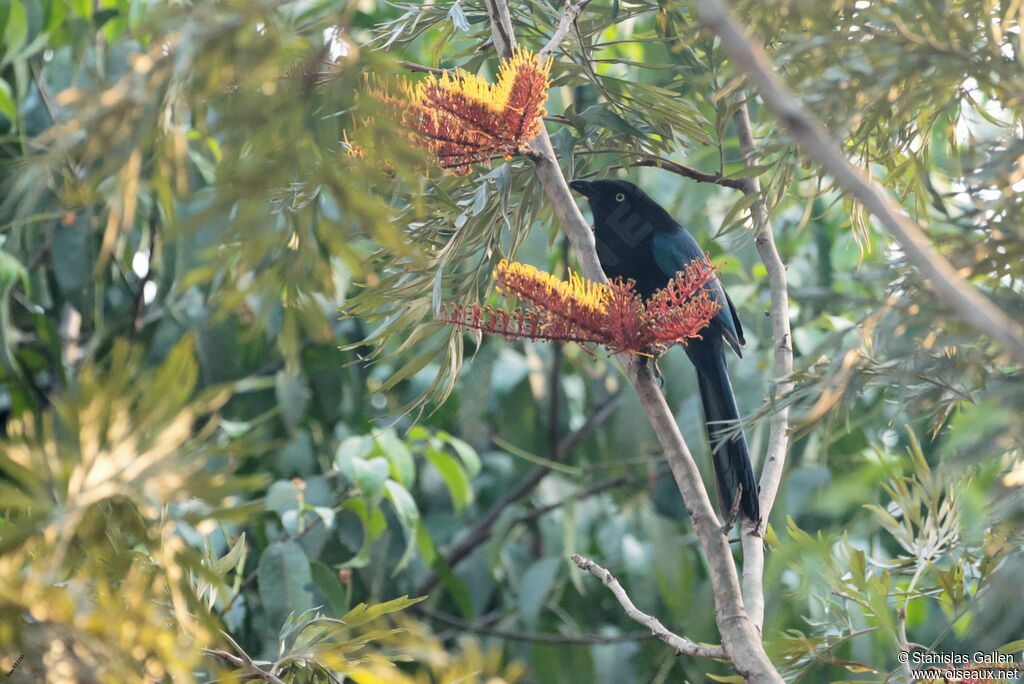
(642, 361)
(734, 513)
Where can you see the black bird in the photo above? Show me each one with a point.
(637, 239)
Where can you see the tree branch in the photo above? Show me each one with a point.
(778, 430)
(250, 669)
(740, 637)
(681, 645)
(421, 68)
(687, 172)
(750, 56)
(569, 16)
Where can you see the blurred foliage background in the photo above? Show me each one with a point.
(234, 440)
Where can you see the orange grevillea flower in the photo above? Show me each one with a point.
(579, 310)
(464, 120)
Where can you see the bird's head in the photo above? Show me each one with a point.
(621, 209)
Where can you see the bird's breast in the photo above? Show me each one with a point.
(632, 263)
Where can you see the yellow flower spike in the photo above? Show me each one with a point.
(584, 311)
(494, 96)
(465, 120)
(543, 288)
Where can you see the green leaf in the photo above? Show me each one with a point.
(370, 477)
(425, 544)
(16, 30)
(230, 560)
(350, 449)
(282, 496)
(453, 474)
(750, 171)
(457, 589)
(374, 525)
(731, 220)
(458, 17)
(1012, 647)
(408, 514)
(603, 117)
(367, 474)
(468, 454)
(403, 468)
(363, 613)
(8, 107)
(292, 396)
(534, 588)
(284, 581)
(11, 271)
(404, 504)
(328, 584)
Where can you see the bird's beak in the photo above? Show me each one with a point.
(583, 187)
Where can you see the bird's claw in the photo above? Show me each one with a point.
(734, 513)
(641, 362)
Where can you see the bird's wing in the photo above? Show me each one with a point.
(673, 251)
(735, 321)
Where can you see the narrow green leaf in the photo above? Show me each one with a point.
(8, 107)
(16, 30)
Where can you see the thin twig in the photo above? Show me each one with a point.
(569, 16)
(653, 160)
(421, 68)
(682, 645)
(809, 133)
(244, 662)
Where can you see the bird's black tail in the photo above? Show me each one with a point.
(728, 445)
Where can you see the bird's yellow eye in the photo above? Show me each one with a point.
(619, 197)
